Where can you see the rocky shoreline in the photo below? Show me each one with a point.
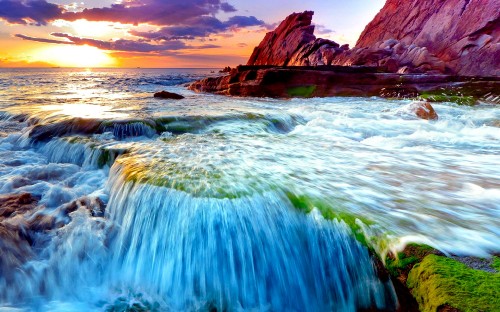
(324, 81)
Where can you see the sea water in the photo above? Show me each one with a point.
(225, 203)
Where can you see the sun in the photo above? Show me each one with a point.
(75, 56)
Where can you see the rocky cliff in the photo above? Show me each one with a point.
(464, 34)
(280, 45)
(457, 37)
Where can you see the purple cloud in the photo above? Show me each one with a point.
(201, 26)
(155, 12)
(42, 39)
(120, 44)
(179, 20)
(37, 12)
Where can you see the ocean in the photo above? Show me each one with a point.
(215, 203)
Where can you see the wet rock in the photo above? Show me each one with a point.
(443, 284)
(13, 204)
(168, 95)
(323, 81)
(424, 110)
(15, 250)
(15, 245)
(94, 205)
(45, 132)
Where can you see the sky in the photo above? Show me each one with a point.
(160, 33)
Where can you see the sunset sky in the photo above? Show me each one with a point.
(160, 33)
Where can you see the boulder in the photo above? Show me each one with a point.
(168, 95)
(424, 110)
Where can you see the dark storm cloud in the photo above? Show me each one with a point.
(120, 44)
(37, 12)
(201, 26)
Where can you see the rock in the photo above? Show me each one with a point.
(168, 95)
(424, 110)
(12, 204)
(286, 82)
(443, 284)
(15, 245)
(462, 34)
(280, 45)
(226, 69)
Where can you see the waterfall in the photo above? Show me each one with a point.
(254, 252)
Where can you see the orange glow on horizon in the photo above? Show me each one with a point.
(75, 56)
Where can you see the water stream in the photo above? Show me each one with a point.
(229, 204)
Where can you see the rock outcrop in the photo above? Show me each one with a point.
(456, 37)
(322, 81)
(280, 45)
(464, 34)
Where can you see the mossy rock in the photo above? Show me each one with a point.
(439, 282)
(328, 211)
(399, 265)
(457, 99)
(302, 91)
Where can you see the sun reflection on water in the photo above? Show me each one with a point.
(84, 111)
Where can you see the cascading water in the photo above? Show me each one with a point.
(254, 252)
(211, 203)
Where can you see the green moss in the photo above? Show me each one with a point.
(496, 263)
(302, 91)
(412, 254)
(400, 263)
(328, 211)
(439, 281)
(458, 99)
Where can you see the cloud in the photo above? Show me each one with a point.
(42, 39)
(177, 21)
(36, 12)
(122, 45)
(201, 26)
(153, 12)
(322, 30)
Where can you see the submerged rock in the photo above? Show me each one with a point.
(168, 95)
(12, 204)
(15, 245)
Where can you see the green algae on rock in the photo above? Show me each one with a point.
(439, 281)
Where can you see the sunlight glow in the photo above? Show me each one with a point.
(84, 111)
(75, 56)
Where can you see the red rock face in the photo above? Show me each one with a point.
(280, 45)
(464, 34)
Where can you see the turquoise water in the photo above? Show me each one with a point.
(219, 203)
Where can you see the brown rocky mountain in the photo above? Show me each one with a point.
(458, 37)
(280, 45)
(464, 34)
